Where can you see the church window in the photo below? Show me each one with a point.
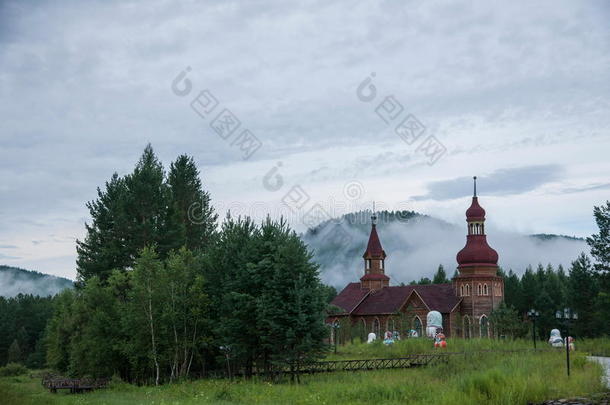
(467, 289)
(462, 290)
(479, 290)
(381, 264)
(368, 264)
(417, 326)
(484, 326)
(485, 289)
(376, 327)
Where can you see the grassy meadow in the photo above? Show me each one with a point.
(474, 378)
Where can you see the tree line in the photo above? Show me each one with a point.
(164, 293)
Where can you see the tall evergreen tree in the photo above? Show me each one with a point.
(440, 277)
(583, 291)
(104, 247)
(291, 306)
(513, 295)
(191, 216)
(529, 288)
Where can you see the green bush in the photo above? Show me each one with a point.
(12, 370)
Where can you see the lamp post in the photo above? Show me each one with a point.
(533, 315)
(335, 327)
(227, 350)
(567, 315)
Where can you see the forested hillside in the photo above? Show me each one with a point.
(15, 281)
(416, 244)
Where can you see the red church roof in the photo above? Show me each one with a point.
(475, 212)
(350, 297)
(476, 252)
(373, 248)
(388, 300)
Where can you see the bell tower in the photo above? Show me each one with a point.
(478, 283)
(374, 261)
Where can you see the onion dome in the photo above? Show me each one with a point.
(477, 252)
(475, 212)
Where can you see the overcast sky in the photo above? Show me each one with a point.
(514, 92)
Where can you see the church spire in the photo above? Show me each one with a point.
(374, 260)
(475, 186)
(477, 251)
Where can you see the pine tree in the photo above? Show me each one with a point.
(104, 247)
(291, 306)
(191, 219)
(529, 289)
(232, 287)
(513, 296)
(440, 277)
(14, 352)
(94, 348)
(600, 242)
(583, 291)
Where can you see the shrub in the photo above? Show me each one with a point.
(12, 370)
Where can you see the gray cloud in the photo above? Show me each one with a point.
(500, 182)
(85, 85)
(587, 187)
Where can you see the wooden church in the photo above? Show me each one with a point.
(465, 303)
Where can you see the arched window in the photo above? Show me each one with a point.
(381, 264)
(484, 326)
(462, 290)
(479, 290)
(467, 289)
(417, 326)
(466, 330)
(368, 264)
(485, 289)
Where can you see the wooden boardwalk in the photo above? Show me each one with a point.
(75, 385)
(413, 360)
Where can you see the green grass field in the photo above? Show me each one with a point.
(475, 378)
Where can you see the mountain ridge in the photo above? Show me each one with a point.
(417, 243)
(15, 280)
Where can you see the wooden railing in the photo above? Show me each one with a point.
(75, 385)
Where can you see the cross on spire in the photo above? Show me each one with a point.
(374, 216)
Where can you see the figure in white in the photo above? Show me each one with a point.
(396, 335)
(434, 321)
(388, 338)
(413, 333)
(555, 340)
(372, 337)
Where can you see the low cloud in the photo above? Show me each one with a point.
(416, 247)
